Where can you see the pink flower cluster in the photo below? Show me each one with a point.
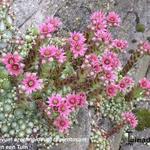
(125, 83)
(112, 89)
(49, 26)
(62, 123)
(77, 44)
(145, 85)
(113, 19)
(91, 64)
(111, 65)
(64, 106)
(110, 61)
(99, 60)
(144, 47)
(31, 83)
(109, 76)
(51, 53)
(13, 63)
(103, 36)
(130, 118)
(120, 45)
(100, 23)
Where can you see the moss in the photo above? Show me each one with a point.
(143, 116)
(140, 27)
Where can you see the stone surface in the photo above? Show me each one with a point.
(135, 147)
(33, 12)
(74, 13)
(115, 140)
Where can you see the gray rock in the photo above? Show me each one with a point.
(135, 147)
(115, 140)
(33, 12)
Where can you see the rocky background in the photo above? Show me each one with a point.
(75, 16)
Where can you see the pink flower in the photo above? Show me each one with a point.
(145, 47)
(81, 99)
(96, 68)
(91, 65)
(98, 21)
(12, 62)
(122, 85)
(55, 100)
(107, 62)
(10, 58)
(120, 44)
(46, 30)
(62, 123)
(78, 49)
(144, 83)
(125, 83)
(54, 21)
(15, 69)
(72, 100)
(110, 60)
(76, 37)
(31, 83)
(97, 16)
(64, 109)
(130, 118)
(112, 90)
(92, 58)
(113, 19)
(60, 55)
(103, 36)
(49, 26)
(77, 45)
(48, 52)
(52, 52)
(128, 80)
(109, 75)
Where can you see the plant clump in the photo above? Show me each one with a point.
(45, 80)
